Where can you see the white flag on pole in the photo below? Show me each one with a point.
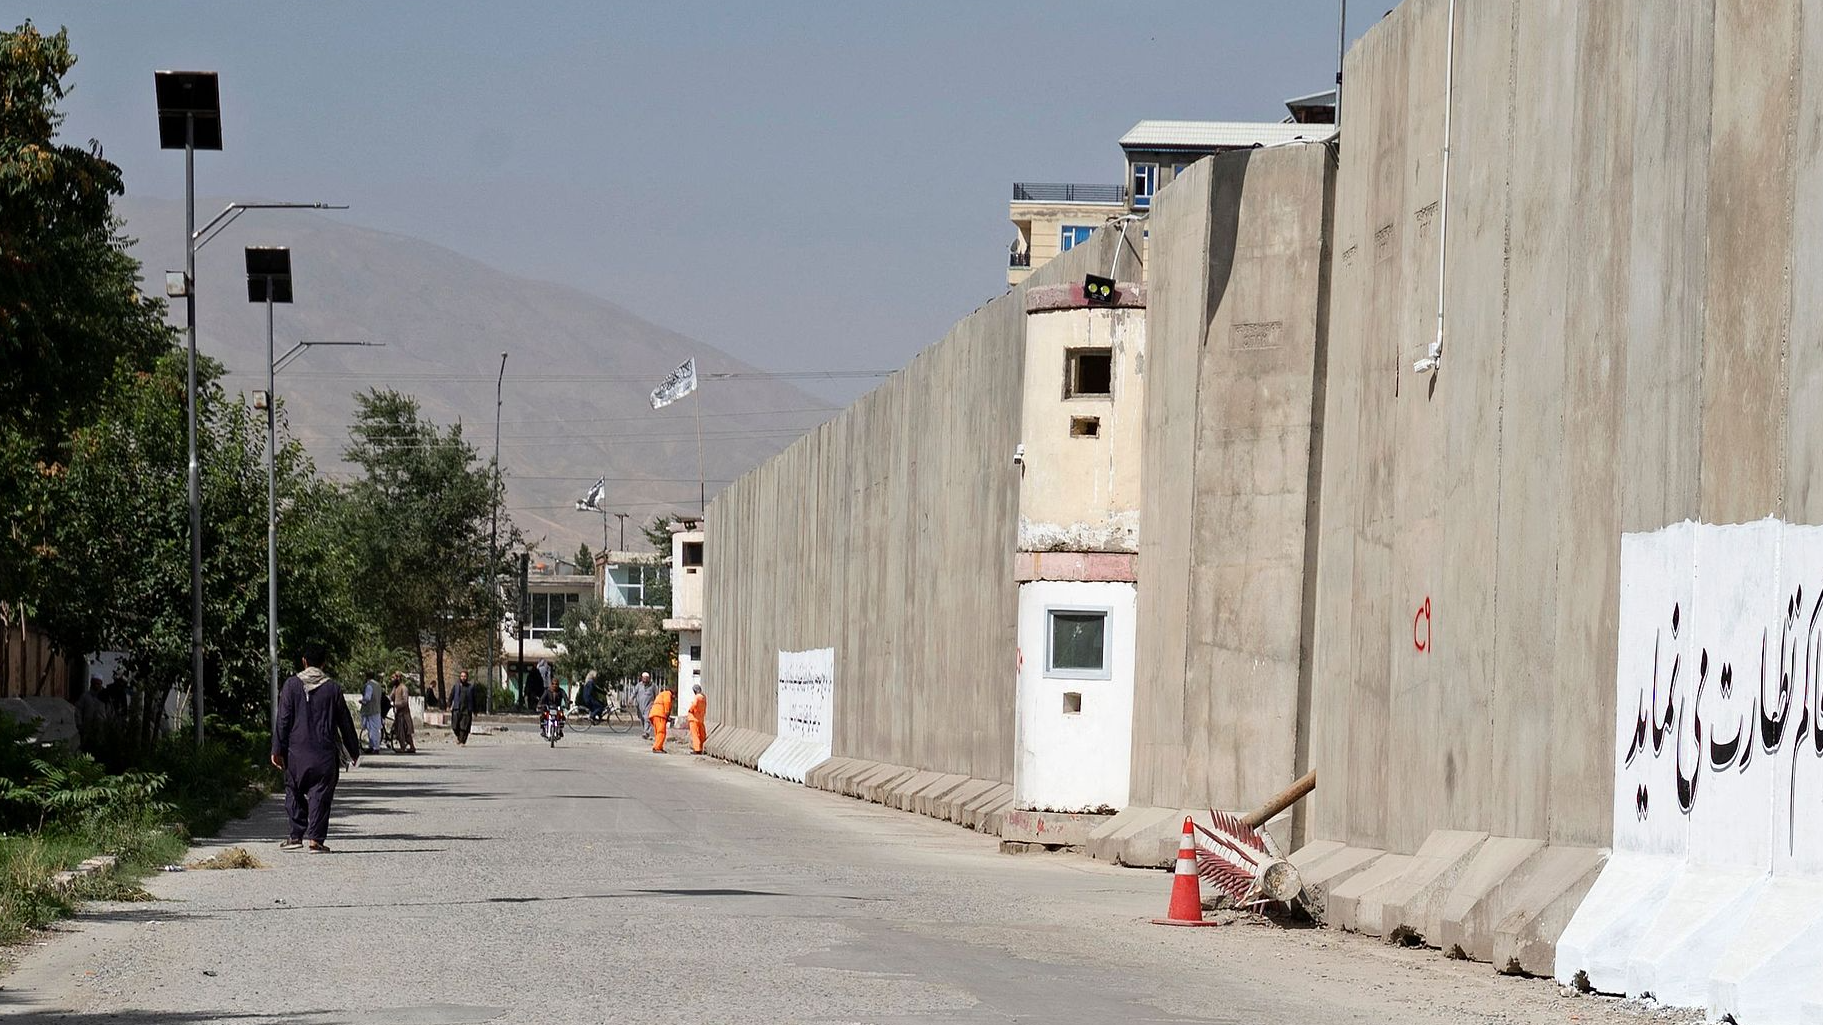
(592, 500)
(676, 385)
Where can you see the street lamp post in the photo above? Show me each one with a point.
(269, 281)
(190, 118)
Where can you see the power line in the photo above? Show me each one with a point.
(758, 375)
(647, 417)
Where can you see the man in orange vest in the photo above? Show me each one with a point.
(660, 717)
(699, 710)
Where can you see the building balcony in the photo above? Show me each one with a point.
(1065, 192)
(1019, 258)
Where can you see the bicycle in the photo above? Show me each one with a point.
(616, 717)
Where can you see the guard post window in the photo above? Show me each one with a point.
(1145, 184)
(1076, 645)
(692, 556)
(1088, 373)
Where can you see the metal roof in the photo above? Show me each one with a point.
(1326, 98)
(1207, 135)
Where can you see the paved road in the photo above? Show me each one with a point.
(508, 882)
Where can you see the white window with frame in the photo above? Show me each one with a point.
(1077, 643)
(1145, 185)
(548, 610)
(1073, 235)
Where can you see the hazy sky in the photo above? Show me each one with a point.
(806, 185)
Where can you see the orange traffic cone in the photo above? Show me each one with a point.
(1186, 894)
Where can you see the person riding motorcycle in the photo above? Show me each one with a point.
(550, 709)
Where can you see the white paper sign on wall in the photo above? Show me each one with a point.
(806, 697)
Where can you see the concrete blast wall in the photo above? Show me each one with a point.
(1635, 196)
(1234, 328)
(888, 533)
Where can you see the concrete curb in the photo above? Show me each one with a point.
(67, 880)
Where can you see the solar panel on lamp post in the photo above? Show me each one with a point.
(269, 281)
(190, 118)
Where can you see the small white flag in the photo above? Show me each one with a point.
(678, 384)
(592, 500)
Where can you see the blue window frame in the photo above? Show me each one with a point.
(1074, 235)
(1145, 184)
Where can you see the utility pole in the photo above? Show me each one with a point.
(623, 530)
(493, 540)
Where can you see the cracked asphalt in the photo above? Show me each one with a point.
(596, 882)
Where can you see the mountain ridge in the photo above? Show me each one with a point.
(580, 361)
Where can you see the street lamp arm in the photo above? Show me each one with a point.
(298, 350)
(232, 212)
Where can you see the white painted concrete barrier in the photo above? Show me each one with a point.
(1714, 896)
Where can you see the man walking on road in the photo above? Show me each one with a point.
(311, 725)
(660, 720)
(696, 717)
(462, 709)
(643, 695)
(373, 712)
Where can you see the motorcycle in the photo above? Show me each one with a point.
(550, 726)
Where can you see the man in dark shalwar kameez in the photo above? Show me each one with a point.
(462, 702)
(312, 722)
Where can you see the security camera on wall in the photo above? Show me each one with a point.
(1019, 454)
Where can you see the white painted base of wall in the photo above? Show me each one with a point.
(1732, 941)
(790, 758)
(1074, 761)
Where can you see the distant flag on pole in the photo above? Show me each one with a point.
(592, 500)
(676, 385)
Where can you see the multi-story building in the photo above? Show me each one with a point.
(630, 579)
(1051, 217)
(553, 588)
(686, 617)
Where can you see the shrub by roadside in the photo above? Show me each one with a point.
(140, 804)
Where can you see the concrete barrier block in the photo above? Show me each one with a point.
(973, 812)
(1465, 916)
(882, 773)
(760, 742)
(1156, 845)
(994, 813)
(1312, 852)
(1705, 912)
(818, 774)
(814, 763)
(898, 793)
(924, 801)
(1343, 907)
(1325, 874)
(847, 782)
(1539, 907)
(880, 788)
(1769, 970)
(1106, 841)
(1410, 902)
(953, 803)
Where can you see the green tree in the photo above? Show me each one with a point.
(584, 559)
(658, 584)
(71, 311)
(120, 555)
(617, 642)
(420, 522)
(72, 319)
